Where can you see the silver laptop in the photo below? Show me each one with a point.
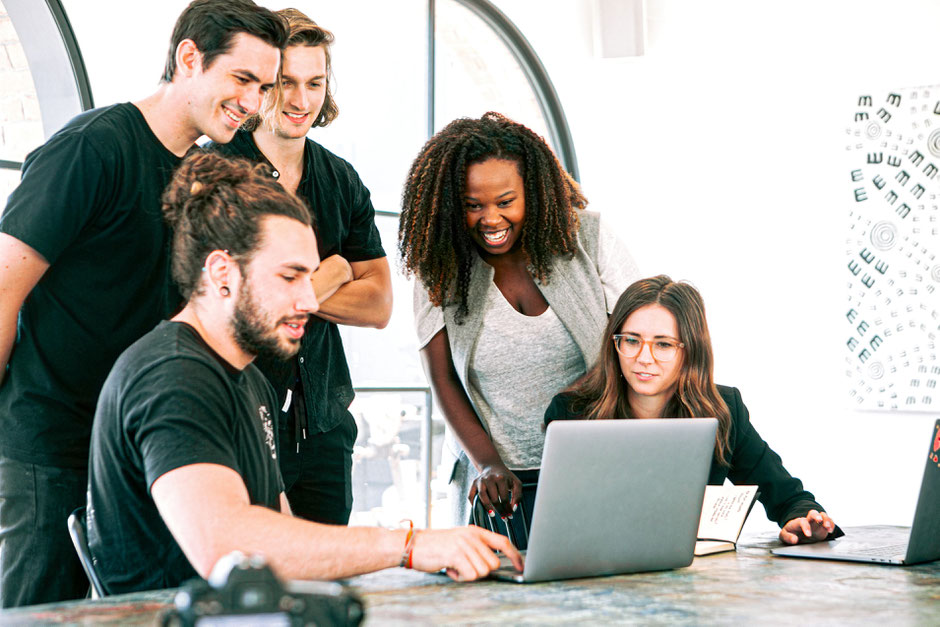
(617, 496)
(890, 545)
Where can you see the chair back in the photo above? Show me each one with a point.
(516, 529)
(78, 532)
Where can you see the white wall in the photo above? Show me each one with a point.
(719, 155)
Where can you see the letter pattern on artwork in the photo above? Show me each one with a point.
(892, 263)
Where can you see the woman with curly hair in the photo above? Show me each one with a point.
(656, 362)
(513, 283)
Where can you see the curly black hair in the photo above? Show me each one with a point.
(432, 236)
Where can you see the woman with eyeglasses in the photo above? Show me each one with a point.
(656, 362)
(514, 283)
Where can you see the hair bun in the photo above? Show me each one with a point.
(193, 186)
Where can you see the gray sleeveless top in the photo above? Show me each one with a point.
(576, 294)
(519, 352)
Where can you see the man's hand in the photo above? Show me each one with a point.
(333, 273)
(815, 526)
(357, 293)
(466, 553)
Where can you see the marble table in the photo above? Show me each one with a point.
(749, 586)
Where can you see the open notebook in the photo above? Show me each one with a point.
(724, 511)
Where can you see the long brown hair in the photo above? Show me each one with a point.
(302, 31)
(602, 392)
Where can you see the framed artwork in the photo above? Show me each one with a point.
(892, 314)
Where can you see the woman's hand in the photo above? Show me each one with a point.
(815, 526)
(499, 489)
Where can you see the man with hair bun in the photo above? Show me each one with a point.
(183, 465)
(353, 283)
(84, 273)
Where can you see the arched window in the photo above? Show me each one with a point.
(43, 78)
(482, 62)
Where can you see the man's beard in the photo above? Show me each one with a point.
(253, 331)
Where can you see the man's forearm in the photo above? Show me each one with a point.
(358, 304)
(206, 507)
(299, 549)
(366, 301)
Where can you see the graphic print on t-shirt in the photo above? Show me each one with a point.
(268, 426)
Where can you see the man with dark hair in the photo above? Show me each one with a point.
(353, 283)
(212, 26)
(84, 273)
(183, 465)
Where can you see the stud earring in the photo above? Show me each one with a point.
(224, 291)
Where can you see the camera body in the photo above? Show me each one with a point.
(245, 591)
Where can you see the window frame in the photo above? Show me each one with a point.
(55, 63)
(558, 130)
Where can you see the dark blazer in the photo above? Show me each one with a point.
(752, 462)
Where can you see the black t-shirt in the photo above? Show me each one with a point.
(89, 203)
(344, 222)
(169, 402)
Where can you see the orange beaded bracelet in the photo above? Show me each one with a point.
(406, 555)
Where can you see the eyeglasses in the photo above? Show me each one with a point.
(630, 346)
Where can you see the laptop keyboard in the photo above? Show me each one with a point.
(505, 562)
(505, 565)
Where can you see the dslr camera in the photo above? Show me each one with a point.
(244, 591)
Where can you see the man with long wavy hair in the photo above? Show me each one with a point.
(353, 283)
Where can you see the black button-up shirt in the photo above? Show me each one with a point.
(344, 222)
